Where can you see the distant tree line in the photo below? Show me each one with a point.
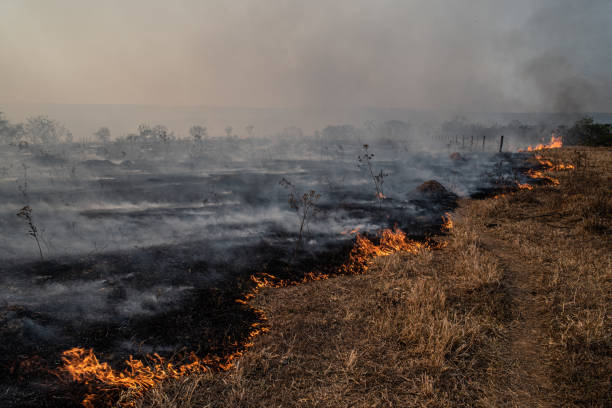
(586, 132)
(43, 130)
(36, 130)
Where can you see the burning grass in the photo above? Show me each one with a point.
(139, 375)
(513, 310)
(395, 336)
(555, 143)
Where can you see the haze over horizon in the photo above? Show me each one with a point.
(479, 55)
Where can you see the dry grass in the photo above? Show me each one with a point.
(563, 233)
(514, 311)
(387, 338)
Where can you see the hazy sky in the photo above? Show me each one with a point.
(479, 55)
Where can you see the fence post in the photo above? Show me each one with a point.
(501, 143)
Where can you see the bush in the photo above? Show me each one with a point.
(585, 132)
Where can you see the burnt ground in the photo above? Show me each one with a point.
(206, 320)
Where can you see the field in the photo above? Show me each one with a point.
(141, 250)
(512, 309)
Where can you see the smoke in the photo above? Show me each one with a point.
(560, 85)
(465, 56)
(568, 57)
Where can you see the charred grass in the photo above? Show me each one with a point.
(527, 271)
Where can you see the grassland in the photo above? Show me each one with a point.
(514, 310)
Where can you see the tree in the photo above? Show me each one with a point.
(228, 131)
(103, 135)
(588, 133)
(144, 131)
(161, 133)
(41, 129)
(198, 132)
(4, 124)
(9, 133)
(249, 129)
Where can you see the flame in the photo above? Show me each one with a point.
(555, 143)
(364, 251)
(537, 174)
(550, 166)
(563, 167)
(447, 222)
(524, 186)
(83, 366)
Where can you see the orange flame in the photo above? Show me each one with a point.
(447, 222)
(83, 366)
(555, 143)
(524, 186)
(563, 167)
(537, 174)
(364, 251)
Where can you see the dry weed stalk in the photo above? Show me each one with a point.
(303, 204)
(378, 179)
(26, 214)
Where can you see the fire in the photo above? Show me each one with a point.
(555, 143)
(447, 222)
(364, 251)
(524, 186)
(537, 174)
(563, 167)
(83, 366)
(550, 166)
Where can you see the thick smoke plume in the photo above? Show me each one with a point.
(464, 56)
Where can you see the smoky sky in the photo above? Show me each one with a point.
(471, 55)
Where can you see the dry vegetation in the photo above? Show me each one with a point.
(514, 311)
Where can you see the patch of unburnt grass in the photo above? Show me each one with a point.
(562, 234)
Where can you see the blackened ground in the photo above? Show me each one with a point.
(205, 318)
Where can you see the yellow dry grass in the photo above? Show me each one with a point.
(513, 311)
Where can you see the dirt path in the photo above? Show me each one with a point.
(521, 374)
